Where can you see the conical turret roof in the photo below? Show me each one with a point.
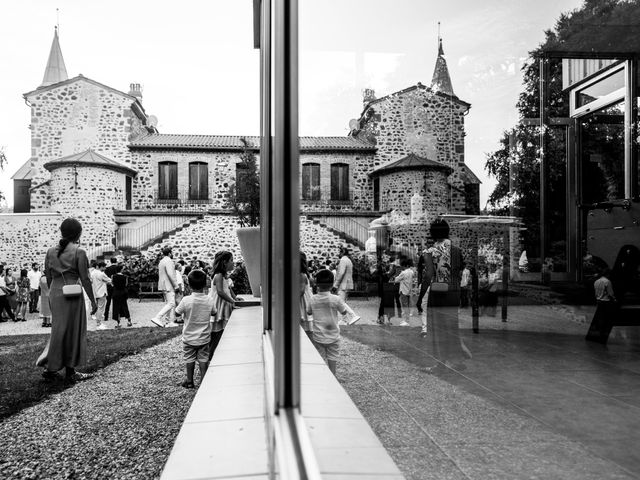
(56, 70)
(441, 81)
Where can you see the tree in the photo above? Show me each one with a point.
(3, 163)
(605, 25)
(244, 195)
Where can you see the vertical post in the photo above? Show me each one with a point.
(544, 119)
(631, 118)
(475, 312)
(505, 273)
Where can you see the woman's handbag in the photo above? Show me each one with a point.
(71, 290)
(439, 287)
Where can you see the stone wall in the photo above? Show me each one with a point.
(218, 232)
(26, 237)
(421, 122)
(397, 188)
(89, 194)
(74, 117)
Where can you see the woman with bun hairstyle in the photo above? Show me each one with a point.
(67, 264)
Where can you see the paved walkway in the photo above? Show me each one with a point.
(533, 401)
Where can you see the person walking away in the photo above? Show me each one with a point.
(197, 309)
(443, 266)
(305, 296)
(343, 283)
(167, 285)
(326, 308)
(601, 324)
(67, 265)
(120, 306)
(110, 271)
(99, 281)
(34, 287)
(405, 281)
(224, 298)
(45, 309)
(394, 271)
(4, 300)
(23, 285)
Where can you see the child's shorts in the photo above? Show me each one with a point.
(330, 350)
(193, 353)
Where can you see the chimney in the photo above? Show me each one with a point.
(135, 90)
(368, 95)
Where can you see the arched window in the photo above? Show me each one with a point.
(340, 182)
(198, 181)
(311, 181)
(167, 181)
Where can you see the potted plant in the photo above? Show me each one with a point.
(244, 200)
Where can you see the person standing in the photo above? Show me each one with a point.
(110, 271)
(22, 296)
(443, 264)
(405, 281)
(100, 281)
(67, 265)
(601, 323)
(224, 298)
(10, 282)
(343, 283)
(45, 309)
(4, 301)
(34, 287)
(120, 308)
(167, 285)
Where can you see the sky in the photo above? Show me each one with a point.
(200, 73)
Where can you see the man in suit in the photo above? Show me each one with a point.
(167, 285)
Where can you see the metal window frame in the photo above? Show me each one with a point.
(602, 102)
(291, 453)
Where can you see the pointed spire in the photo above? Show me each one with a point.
(56, 70)
(441, 81)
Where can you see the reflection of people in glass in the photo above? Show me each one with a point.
(625, 274)
(443, 264)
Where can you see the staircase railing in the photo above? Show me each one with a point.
(138, 237)
(354, 231)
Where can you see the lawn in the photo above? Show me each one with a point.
(21, 383)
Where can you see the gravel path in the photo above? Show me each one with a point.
(121, 424)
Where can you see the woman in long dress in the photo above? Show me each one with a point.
(67, 264)
(443, 264)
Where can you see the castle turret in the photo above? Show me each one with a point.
(441, 81)
(56, 71)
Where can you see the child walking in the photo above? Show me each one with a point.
(197, 309)
(325, 308)
(45, 309)
(223, 297)
(23, 285)
(119, 298)
(405, 279)
(305, 296)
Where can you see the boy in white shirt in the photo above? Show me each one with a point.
(405, 279)
(325, 308)
(197, 310)
(99, 282)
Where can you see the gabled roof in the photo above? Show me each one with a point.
(56, 71)
(410, 162)
(441, 81)
(75, 79)
(234, 143)
(415, 87)
(93, 159)
(468, 177)
(24, 172)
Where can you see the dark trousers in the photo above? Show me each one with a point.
(602, 322)
(424, 286)
(109, 297)
(33, 300)
(4, 305)
(214, 341)
(464, 297)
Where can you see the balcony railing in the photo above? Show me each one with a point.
(180, 197)
(325, 196)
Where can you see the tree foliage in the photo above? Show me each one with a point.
(3, 163)
(244, 194)
(600, 25)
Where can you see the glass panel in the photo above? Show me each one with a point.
(602, 156)
(604, 87)
(557, 201)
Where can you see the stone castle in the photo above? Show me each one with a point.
(98, 156)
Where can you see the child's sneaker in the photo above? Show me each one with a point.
(102, 326)
(404, 323)
(129, 324)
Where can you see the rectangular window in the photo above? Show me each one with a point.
(198, 181)
(242, 173)
(311, 181)
(340, 182)
(168, 181)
